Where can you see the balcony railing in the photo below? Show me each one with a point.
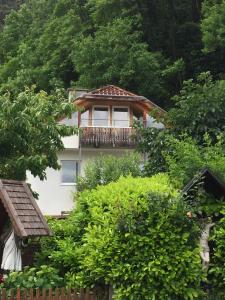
(108, 136)
(105, 123)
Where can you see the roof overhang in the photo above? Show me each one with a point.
(22, 209)
(211, 183)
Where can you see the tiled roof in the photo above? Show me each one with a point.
(111, 90)
(22, 209)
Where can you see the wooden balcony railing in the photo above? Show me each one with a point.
(107, 136)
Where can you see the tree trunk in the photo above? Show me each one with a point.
(204, 245)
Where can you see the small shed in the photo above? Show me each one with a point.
(18, 204)
(19, 208)
(211, 183)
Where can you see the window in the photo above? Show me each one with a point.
(85, 118)
(69, 171)
(101, 116)
(121, 117)
(73, 121)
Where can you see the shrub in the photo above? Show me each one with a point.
(186, 158)
(217, 269)
(108, 168)
(42, 277)
(139, 240)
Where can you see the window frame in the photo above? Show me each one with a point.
(74, 183)
(129, 116)
(98, 106)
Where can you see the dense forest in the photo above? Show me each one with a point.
(149, 47)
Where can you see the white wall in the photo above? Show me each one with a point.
(55, 197)
(71, 142)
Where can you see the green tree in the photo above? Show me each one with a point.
(187, 157)
(108, 168)
(117, 55)
(213, 24)
(30, 137)
(199, 108)
(36, 43)
(6, 6)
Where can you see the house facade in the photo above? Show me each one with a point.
(105, 121)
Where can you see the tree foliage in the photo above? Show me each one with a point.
(107, 168)
(29, 134)
(135, 44)
(213, 24)
(199, 108)
(187, 158)
(117, 55)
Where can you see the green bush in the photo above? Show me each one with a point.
(41, 277)
(108, 168)
(187, 157)
(139, 240)
(216, 275)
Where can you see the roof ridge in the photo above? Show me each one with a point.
(112, 90)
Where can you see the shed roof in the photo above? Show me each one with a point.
(22, 209)
(211, 183)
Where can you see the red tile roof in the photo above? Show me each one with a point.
(111, 90)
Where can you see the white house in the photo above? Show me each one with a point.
(105, 127)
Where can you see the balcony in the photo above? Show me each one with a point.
(108, 137)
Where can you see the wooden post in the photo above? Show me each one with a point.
(18, 295)
(24, 295)
(62, 294)
(50, 294)
(43, 294)
(75, 296)
(87, 294)
(4, 295)
(79, 119)
(38, 294)
(12, 294)
(31, 294)
(82, 294)
(57, 294)
(144, 118)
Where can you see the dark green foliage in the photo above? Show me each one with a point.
(36, 43)
(213, 24)
(153, 141)
(117, 55)
(108, 168)
(6, 6)
(148, 47)
(29, 135)
(199, 108)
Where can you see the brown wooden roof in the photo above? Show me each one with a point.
(22, 209)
